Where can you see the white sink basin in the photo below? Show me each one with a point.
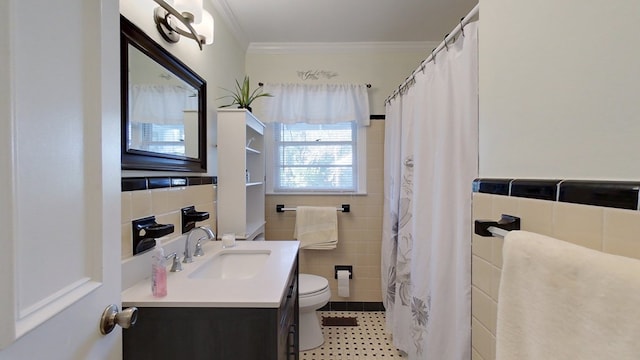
(232, 264)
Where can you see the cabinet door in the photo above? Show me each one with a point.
(203, 334)
(288, 344)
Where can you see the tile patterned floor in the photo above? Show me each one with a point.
(368, 340)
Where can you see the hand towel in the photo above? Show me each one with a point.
(562, 301)
(316, 227)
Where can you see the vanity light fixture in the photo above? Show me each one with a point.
(188, 18)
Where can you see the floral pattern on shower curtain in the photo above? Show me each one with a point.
(431, 154)
(391, 206)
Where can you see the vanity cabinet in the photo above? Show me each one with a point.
(216, 333)
(241, 174)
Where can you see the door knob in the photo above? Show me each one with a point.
(112, 317)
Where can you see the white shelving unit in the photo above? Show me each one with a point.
(240, 152)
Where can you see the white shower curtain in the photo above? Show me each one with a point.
(431, 159)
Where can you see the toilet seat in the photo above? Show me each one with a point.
(310, 285)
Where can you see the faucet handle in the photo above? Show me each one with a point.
(176, 266)
(199, 251)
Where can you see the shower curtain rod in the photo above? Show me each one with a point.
(444, 44)
(262, 84)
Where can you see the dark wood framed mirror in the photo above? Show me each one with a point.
(164, 108)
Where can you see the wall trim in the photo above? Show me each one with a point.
(352, 306)
(148, 183)
(613, 194)
(340, 47)
(223, 8)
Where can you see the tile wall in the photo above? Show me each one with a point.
(163, 198)
(359, 231)
(604, 228)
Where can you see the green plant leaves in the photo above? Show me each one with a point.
(242, 94)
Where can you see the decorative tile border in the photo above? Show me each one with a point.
(148, 183)
(614, 194)
(352, 306)
(492, 186)
(623, 195)
(535, 189)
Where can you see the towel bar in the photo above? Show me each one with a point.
(344, 208)
(498, 228)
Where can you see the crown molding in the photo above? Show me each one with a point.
(341, 47)
(222, 8)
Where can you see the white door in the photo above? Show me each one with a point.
(59, 178)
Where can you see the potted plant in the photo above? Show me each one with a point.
(242, 96)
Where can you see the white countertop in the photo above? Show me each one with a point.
(264, 290)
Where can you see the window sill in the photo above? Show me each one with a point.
(323, 193)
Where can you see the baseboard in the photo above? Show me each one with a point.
(352, 306)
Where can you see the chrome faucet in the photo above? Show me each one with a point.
(188, 257)
(176, 266)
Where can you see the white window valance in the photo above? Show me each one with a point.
(316, 103)
(160, 104)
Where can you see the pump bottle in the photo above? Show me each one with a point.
(158, 273)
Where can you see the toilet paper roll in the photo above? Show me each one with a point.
(343, 283)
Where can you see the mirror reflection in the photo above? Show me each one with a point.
(163, 109)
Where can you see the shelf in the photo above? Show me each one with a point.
(240, 155)
(254, 230)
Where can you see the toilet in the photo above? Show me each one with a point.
(313, 293)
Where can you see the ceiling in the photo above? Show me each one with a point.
(331, 21)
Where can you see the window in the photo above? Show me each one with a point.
(160, 138)
(325, 158)
(316, 139)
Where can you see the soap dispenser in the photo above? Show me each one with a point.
(158, 273)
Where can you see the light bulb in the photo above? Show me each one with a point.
(206, 27)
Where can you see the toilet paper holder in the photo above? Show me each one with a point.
(343, 267)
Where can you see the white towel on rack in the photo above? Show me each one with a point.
(558, 301)
(316, 227)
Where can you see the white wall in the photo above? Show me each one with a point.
(384, 65)
(220, 64)
(559, 89)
